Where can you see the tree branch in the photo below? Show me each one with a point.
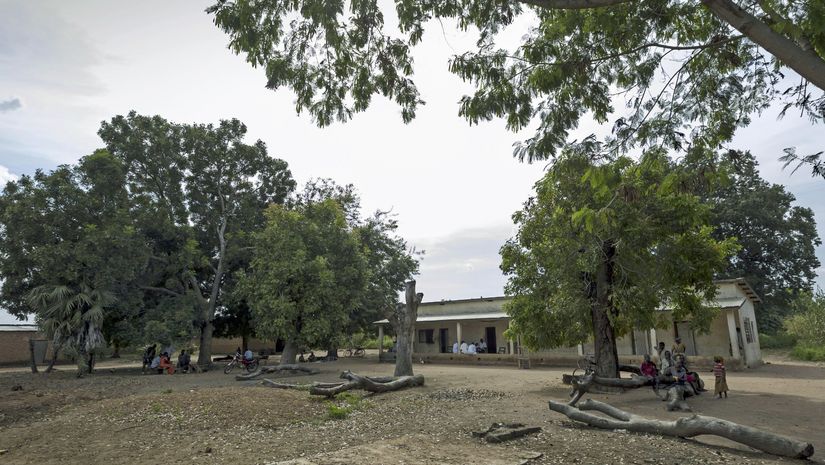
(807, 63)
(162, 290)
(573, 4)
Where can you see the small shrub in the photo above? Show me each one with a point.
(338, 412)
(809, 353)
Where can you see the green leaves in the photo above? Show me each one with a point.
(666, 73)
(665, 251)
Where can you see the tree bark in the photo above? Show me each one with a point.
(371, 384)
(32, 360)
(277, 369)
(290, 352)
(55, 354)
(684, 427)
(115, 350)
(403, 319)
(244, 340)
(205, 348)
(604, 337)
(208, 326)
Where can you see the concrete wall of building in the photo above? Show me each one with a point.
(14, 347)
(470, 331)
(750, 335)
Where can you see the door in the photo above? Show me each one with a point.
(444, 340)
(490, 339)
(684, 331)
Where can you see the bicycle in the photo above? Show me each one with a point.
(239, 360)
(356, 352)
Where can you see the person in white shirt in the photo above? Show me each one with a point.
(248, 355)
(455, 347)
(463, 348)
(471, 349)
(482, 347)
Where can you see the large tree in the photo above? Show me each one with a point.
(689, 73)
(70, 252)
(604, 245)
(307, 273)
(197, 188)
(778, 239)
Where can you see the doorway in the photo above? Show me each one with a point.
(444, 340)
(490, 339)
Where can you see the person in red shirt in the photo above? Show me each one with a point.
(719, 372)
(648, 368)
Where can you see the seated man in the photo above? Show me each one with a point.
(463, 348)
(248, 355)
(183, 361)
(481, 347)
(455, 347)
(471, 349)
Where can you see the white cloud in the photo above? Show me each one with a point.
(6, 176)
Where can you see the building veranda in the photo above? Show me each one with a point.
(733, 333)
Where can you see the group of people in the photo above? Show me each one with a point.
(163, 362)
(673, 364)
(471, 348)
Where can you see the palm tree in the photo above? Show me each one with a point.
(73, 317)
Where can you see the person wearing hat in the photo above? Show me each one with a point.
(678, 347)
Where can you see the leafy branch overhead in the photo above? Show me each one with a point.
(689, 73)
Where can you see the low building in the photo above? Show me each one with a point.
(732, 334)
(14, 344)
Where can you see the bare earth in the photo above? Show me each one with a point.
(119, 416)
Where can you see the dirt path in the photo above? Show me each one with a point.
(121, 416)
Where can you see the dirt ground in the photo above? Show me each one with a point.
(119, 416)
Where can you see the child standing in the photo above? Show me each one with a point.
(721, 385)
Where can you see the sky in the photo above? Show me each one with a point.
(67, 66)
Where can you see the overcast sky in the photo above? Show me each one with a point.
(66, 66)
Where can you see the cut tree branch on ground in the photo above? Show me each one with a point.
(353, 381)
(675, 397)
(685, 427)
(277, 369)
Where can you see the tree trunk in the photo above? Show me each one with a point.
(115, 350)
(244, 340)
(403, 319)
(604, 337)
(32, 359)
(55, 354)
(332, 352)
(290, 352)
(82, 361)
(684, 427)
(205, 348)
(91, 363)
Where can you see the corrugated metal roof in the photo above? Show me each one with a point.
(455, 317)
(19, 328)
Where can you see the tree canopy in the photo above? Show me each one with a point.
(603, 245)
(688, 73)
(198, 189)
(777, 239)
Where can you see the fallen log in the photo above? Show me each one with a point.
(277, 369)
(675, 393)
(277, 385)
(501, 432)
(684, 427)
(370, 384)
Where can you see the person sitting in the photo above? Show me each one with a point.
(648, 368)
(301, 358)
(148, 356)
(455, 347)
(166, 364)
(248, 355)
(482, 347)
(666, 363)
(312, 357)
(155, 363)
(463, 348)
(183, 361)
(471, 349)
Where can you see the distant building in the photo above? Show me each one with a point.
(14, 344)
(733, 333)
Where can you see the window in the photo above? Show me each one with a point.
(425, 336)
(748, 331)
